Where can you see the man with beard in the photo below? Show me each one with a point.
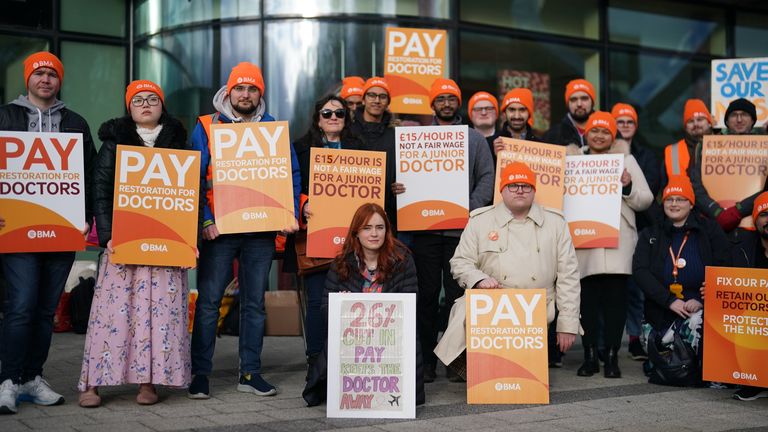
(580, 99)
(517, 108)
(239, 101)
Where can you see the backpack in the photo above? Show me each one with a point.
(80, 300)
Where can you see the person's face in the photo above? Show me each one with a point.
(698, 127)
(761, 224)
(580, 106)
(353, 102)
(517, 116)
(677, 208)
(372, 234)
(445, 106)
(376, 101)
(626, 126)
(599, 140)
(739, 122)
(518, 197)
(332, 125)
(44, 83)
(146, 108)
(245, 98)
(483, 114)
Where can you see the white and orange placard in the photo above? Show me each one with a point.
(154, 212)
(592, 204)
(42, 192)
(413, 59)
(252, 177)
(507, 346)
(340, 181)
(739, 78)
(734, 167)
(736, 326)
(432, 164)
(546, 160)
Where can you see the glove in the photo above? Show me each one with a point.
(729, 219)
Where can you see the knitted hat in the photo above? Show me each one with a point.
(246, 73)
(522, 96)
(679, 185)
(761, 205)
(444, 86)
(578, 85)
(695, 108)
(376, 82)
(139, 86)
(517, 172)
(601, 119)
(42, 59)
(351, 86)
(624, 110)
(742, 105)
(483, 96)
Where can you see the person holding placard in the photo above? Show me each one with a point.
(580, 100)
(35, 281)
(352, 92)
(604, 271)
(124, 344)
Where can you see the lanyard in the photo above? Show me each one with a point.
(676, 259)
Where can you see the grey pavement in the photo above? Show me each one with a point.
(628, 404)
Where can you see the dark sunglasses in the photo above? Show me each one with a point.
(326, 113)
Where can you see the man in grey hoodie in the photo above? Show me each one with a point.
(35, 281)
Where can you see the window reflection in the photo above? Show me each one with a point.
(13, 51)
(751, 35)
(421, 8)
(550, 16)
(154, 15)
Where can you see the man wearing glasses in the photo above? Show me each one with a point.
(483, 111)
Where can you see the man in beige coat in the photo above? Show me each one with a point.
(516, 244)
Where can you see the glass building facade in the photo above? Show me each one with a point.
(653, 54)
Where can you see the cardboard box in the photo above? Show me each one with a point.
(283, 313)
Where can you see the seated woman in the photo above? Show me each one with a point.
(669, 264)
(372, 261)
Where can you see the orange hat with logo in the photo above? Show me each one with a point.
(624, 110)
(578, 85)
(601, 119)
(679, 185)
(376, 82)
(483, 96)
(139, 86)
(42, 59)
(522, 96)
(761, 205)
(695, 108)
(246, 73)
(351, 86)
(444, 86)
(517, 172)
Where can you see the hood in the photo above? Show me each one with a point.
(41, 120)
(222, 105)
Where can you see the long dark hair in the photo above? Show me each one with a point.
(390, 253)
(315, 131)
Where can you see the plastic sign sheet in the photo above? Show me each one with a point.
(507, 346)
(432, 163)
(736, 326)
(42, 192)
(592, 204)
(340, 181)
(252, 177)
(734, 167)
(413, 60)
(739, 78)
(546, 160)
(372, 355)
(154, 213)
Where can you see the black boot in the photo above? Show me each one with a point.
(612, 363)
(590, 365)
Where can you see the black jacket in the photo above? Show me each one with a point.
(743, 247)
(564, 133)
(14, 118)
(649, 164)
(122, 131)
(652, 252)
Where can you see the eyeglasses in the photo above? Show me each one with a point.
(327, 113)
(483, 110)
(625, 122)
(380, 96)
(242, 88)
(519, 187)
(446, 99)
(675, 200)
(151, 100)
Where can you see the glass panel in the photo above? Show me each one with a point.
(666, 25)
(153, 15)
(751, 35)
(497, 64)
(239, 43)
(548, 16)
(94, 81)
(37, 14)
(13, 51)
(104, 17)
(420, 8)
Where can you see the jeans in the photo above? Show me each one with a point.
(35, 282)
(255, 253)
(314, 285)
(635, 308)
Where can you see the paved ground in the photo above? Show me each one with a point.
(578, 404)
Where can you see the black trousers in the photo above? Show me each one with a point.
(604, 295)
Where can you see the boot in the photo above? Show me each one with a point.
(612, 363)
(590, 365)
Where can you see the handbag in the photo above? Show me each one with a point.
(308, 265)
(675, 365)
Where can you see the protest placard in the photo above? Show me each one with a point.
(739, 78)
(546, 160)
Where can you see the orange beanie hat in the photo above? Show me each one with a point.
(601, 119)
(483, 96)
(376, 82)
(578, 85)
(42, 59)
(444, 86)
(246, 73)
(679, 185)
(139, 86)
(351, 86)
(695, 108)
(517, 172)
(761, 205)
(522, 96)
(624, 110)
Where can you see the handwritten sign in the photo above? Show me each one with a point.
(739, 78)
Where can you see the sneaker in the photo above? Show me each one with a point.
(750, 393)
(716, 385)
(636, 351)
(39, 392)
(555, 357)
(199, 388)
(9, 391)
(254, 383)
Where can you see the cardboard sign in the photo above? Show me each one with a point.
(739, 78)
(734, 167)
(546, 160)
(592, 204)
(414, 59)
(154, 214)
(432, 164)
(539, 84)
(507, 346)
(340, 182)
(736, 326)
(372, 355)
(252, 178)
(42, 192)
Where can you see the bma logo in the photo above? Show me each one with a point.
(151, 247)
(338, 240)
(518, 177)
(448, 87)
(674, 189)
(625, 111)
(600, 122)
(432, 212)
(744, 376)
(144, 85)
(580, 87)
(354, 90)
(42, 63)
(378, 83)
(512, 100)
(507, 386)
(254, 215)
(584, 231)
(411, 101)
(241, 80)
(40, 234)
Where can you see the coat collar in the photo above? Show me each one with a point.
(504, 216)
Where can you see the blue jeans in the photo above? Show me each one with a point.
(255, 253)
(314, 285)
(35, 282)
